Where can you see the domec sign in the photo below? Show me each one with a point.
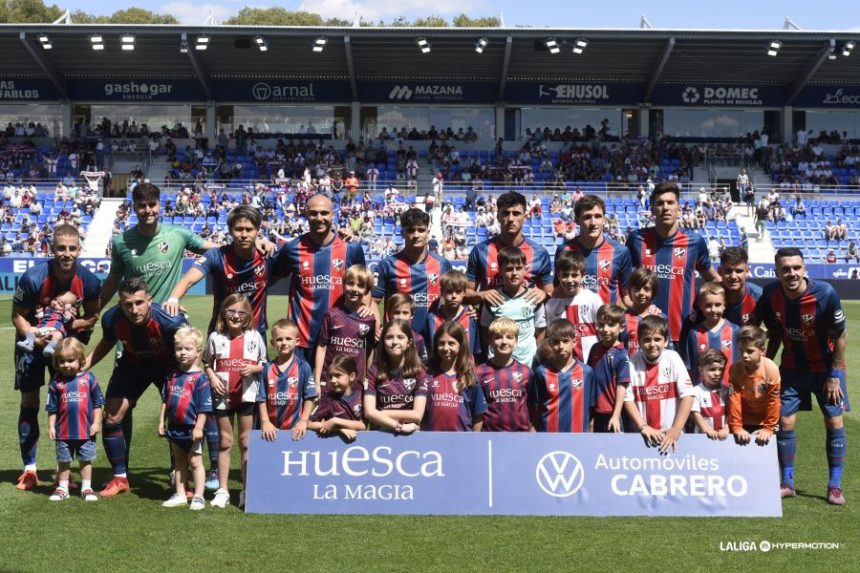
(717, 96)
(510, 474)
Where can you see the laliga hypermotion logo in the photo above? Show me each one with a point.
(560, 474)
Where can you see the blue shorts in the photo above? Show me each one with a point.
(29, 370)
(181, 436)
(130, 383)
(83, 450)
(798, 387)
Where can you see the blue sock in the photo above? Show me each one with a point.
(786, 445)
(837, 444)
(213, 439)
(127, 426)
(28, 434)
(114, 444)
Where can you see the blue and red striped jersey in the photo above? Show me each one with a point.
(562, 400)
(419, 280)
(186, 394)
(73, 400)
(809, 325)
(607, 267)
(483, 268)
(317, 279)
(451, 410)
(741, 312)
(341, 406)
(435, 319)
(345, 332)
(506, 393)
(723, 338)
(396, 393)
(610, 366)
(284, 391)
(37, 287)
(675, 261)
(231, 274)
(630, 334)
(149, 345)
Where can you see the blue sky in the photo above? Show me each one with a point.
(716, 14)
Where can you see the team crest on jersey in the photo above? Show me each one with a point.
(576, 382)
(363, 329)
(762, 388)
(154, 341)
(356, 409)
(163, 246)
(134, 252)
(292, 380)
(337, 264)
(807, 318)
(605, 264)
(409, 383)
(745, 318)
(433, 277)
(434, 384)
(260, 270)
(727, 344)
(518, 377)
(680, 252)
(703, 347)
(201, 260)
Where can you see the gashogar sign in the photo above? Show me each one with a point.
(511, 474)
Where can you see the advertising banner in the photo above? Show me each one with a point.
(427, 92)
(557, 93)
(828, 97)
(25, 90)
(138, 91)
(450, 473)
(281, 91)
(11, 270)
(705, 95)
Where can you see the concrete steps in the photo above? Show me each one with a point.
(100, 230)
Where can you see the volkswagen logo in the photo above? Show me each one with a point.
(262, 91)
(560, 474)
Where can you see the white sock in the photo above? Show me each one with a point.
(122, 475)
(86, 484)
(64, 485)
(30, 468)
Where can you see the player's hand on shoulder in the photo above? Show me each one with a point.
(171, 307)
(266, 247)
(536, 296)
(492, 297)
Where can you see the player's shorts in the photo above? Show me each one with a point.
(29, 370)
(798, 387)
(223, 407)
(83, 450)
(181, 436)
(130, 382)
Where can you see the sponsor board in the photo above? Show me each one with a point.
(147, 90)
(829, 96)
(450, 473)
(428, 92)
(27, 90)
(706, 95)
(282, 91)
(563, 93)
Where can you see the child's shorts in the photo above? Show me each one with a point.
(182, 438)
(83, 450)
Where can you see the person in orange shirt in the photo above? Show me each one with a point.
(351, 185)
(754, 390)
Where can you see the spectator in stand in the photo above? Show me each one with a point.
(798, 208)
(852, 253)
(841, 230)
(830, 258)
(829, 231)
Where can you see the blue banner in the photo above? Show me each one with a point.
(440, 473)
(137, 90)
(707, 95)
(829, 97)
(18, 90)
(427, 92)
(579, 93)
(11, 270)
(817, 271)
(282, 91)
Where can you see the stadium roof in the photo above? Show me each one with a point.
(640, 56)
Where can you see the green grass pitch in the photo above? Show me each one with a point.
(134, 533)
